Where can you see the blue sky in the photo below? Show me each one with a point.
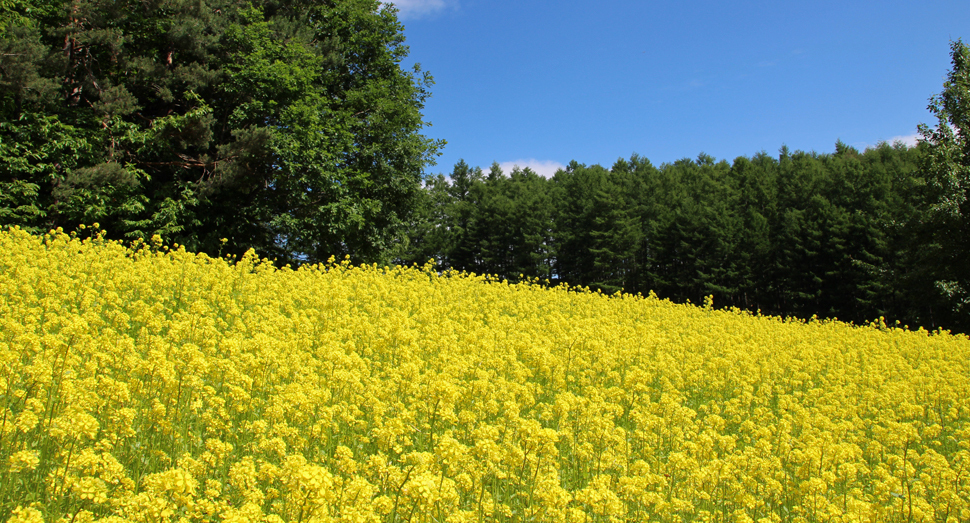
(540, 83)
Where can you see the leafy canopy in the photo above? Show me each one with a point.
(288, 126)
(946, 166)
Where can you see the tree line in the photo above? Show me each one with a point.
(800, 233)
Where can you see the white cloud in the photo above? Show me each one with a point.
(418, 8)
(909, 139)
(544, 168)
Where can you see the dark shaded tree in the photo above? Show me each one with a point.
(574, 191)
(286, 126)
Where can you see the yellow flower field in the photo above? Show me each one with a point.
(155, 385)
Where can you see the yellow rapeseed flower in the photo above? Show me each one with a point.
(24, 460)
(139, 383)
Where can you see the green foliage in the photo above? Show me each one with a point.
(509, 233)
(801, 234)
(574, 191)
(946, 167)
(287, 126)
(616, 238)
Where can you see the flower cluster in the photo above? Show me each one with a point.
(147, 384)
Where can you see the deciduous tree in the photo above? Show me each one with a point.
(946, 166)
(284, 125)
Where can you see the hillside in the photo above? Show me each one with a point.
(152, 384)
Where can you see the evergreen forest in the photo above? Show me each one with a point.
(833, 235)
